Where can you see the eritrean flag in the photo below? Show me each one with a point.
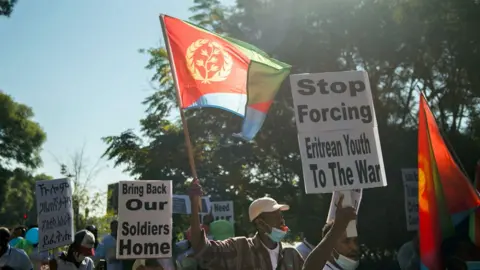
(222, 72)
(475, 216)
(445, 195)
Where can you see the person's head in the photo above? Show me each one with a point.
(94, 231)
(266, 215)
(346, 251)
(221, 230)
(4, 238)
(458, 251)
(113, 227)
(83, 245)
(18, 232)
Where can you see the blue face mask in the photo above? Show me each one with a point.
(473, 265)
(276, 235)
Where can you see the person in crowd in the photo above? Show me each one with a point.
(312, 237)
(221, 230)
(93, 229)
(78, 253)
(10, 257)
(408, 256)
(18, 232)
(336, 251)
(107, 249)
(262, 251)
(459, 253)
(185, 259)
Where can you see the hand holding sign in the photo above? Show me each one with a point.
(343, 214)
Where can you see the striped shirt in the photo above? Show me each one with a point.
(240, 253)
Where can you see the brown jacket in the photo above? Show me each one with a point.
(240, 253)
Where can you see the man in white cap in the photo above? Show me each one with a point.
(262, 251)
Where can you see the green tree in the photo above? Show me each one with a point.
(20, 144)
(6, 7)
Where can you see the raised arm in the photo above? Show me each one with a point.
(207, 252)
(323, 251)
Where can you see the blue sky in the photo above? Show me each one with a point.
(76, 64)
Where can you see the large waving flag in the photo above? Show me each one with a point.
(475, 216)
(445, 193)
(221, 72)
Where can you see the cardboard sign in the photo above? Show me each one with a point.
(182, 205)
(351, 198)
(223, 210)
(337, 132)
(55, 213)
(410, 187)
(144, 219)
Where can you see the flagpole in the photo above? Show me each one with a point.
(188, 143)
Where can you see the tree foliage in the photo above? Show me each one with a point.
(407, 47)
(20, 143)
(82, 173)
(6, 7)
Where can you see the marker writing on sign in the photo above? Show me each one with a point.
(219, 208)
(317, 148)
(53, 189)
(55, 204)
(343, 175)
(54, 222)
(56, 237)
(341, 113)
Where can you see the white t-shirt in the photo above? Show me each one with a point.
(330, 266)
(273, 255)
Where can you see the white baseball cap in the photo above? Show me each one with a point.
(264, 205)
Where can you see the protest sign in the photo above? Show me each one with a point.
(145, 219)
(350, 198)
(55, 213)
(223, 210)
(410, 187)
(337, 131)
(181, 205)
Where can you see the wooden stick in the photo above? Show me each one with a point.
(188, 143)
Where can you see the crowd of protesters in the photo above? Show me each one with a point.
(213, 245)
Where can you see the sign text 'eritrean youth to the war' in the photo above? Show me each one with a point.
(144, 219)
(337, 131)
(55, 213)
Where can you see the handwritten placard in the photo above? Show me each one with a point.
(55, 213)
(410, 186)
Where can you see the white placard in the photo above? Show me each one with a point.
(223, 210)
(351, 198)
(337, 132)
(55, 213)
(410, 187)
(341, 160)
(144, 219)
(182, 205)
(332, 101)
